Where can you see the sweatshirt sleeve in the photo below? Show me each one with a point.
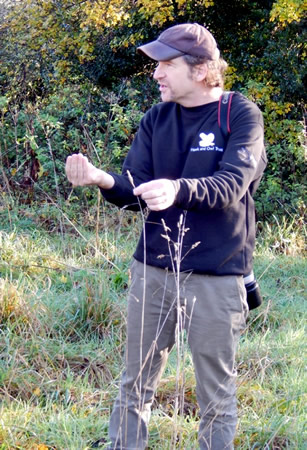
(242, 163)
(138, 164)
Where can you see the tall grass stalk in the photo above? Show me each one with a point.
(176, 259)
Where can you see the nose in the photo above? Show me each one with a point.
(158, 73)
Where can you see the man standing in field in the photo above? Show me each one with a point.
(186, 172)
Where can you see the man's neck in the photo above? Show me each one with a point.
(204, 96)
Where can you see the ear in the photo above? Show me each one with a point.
(200, 72)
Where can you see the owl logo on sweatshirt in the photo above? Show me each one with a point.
(207, 144)
(206, 139)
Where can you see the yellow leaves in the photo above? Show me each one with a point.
(282, 109)
(41, 171)
(46, 29)
(160, 11)
(62, 70)
(208, 3)
(105, 14)
(125, 42)
(63, 279)
(232, 76)
(157, 11)
(287, 11)
(60, 33)
(37, 392)
(12, 304)
(68, 29)
(274, 112)
(74, 409)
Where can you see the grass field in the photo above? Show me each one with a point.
(62, 332)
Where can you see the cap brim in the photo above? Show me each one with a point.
(159, 52)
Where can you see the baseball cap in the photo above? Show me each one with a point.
(184, 39)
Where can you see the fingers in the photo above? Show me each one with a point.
(147, 189)
(158, 194)
(149, 193)
(76, 169)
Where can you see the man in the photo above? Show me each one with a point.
(197, 186)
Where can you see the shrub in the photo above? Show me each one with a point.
(98, 123)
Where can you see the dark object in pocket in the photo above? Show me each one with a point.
(254, 297)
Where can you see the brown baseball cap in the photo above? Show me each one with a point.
(185, 39)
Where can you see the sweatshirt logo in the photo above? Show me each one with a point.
(206, 139)
(247, 157)
(206, 144)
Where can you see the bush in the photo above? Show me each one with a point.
(50, 109)
(37, 139)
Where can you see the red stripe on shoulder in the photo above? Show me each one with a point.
(228, 112)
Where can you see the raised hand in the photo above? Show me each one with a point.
(80, 172)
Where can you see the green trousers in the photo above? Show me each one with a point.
(213, 311)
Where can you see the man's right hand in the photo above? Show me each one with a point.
(80, 172)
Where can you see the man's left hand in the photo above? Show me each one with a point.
(158, 194)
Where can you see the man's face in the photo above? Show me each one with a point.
(176, 82)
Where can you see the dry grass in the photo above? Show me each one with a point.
(62, 332)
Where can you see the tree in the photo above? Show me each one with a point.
(51, 49)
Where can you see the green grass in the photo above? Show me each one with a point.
(62, 333)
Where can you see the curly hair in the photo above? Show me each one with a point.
(216, 69)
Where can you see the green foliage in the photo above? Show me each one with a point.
(36, 140)
(281, 191)
(70, 80)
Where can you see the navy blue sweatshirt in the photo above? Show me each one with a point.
(214, 179)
